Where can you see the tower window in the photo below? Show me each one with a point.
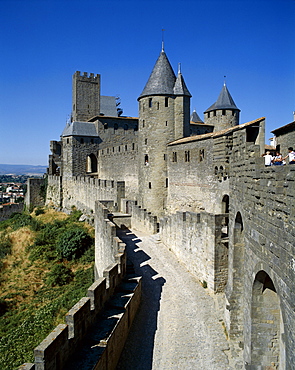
(166, 123)
(223, 112)
(133, 146)
(150, 185)
(119, 149)
(146, 160)
(201, 155)
(150, 102)
(214, 113)
(166, 102)
(158, 105)
(82, 140)
(143, 123)
(92, 142)
(208, 114)
(164, 157)
(166, 183)
(115, 126)
(145, 141)
(126, 147)
(108, 150)
(187, 156)
(174, 156)
(68, 140)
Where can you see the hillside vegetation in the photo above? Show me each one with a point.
(46, 266)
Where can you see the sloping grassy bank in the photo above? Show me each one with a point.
(46, 266)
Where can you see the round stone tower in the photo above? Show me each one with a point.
(164, 116)
(223, 113)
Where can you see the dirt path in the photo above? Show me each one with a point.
(176, 326)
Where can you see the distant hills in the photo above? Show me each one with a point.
(22, 169)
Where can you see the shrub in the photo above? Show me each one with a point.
(59, 275)
(72, 243)
(39, 211)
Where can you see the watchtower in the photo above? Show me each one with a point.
(223, 113)
(86, 96)
(164, 116)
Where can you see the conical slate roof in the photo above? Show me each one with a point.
(162, 78)
(224, 101)
(195, 117)
(180, 86)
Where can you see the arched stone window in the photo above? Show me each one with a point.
(91, 163)
(225, 204)
(267, 347)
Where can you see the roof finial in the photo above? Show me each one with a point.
(224, 84)
(179, 68)
(163, 39)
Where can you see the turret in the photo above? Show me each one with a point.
(223, 113)
(164, 115)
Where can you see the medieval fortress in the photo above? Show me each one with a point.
(202, 186)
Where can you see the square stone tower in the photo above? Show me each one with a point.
(86, 96)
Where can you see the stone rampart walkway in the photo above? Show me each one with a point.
(177, 326)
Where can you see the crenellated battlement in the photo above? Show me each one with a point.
(85, 76)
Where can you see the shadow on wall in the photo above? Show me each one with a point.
(138, 350)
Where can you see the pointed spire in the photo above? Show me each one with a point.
(180, 86)
(195, 117)
(162, 78)
(224, 101)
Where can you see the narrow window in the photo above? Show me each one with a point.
(133, 146)
(223, 112)
(166, 102)
(126, 147)
(115, 126)
(150, 185)
(102, 152)
(201, 155)
(112, 183)
(68, 140)
(164, 157)
(174, 156)
(214, 113)
(143, 123)
(158, 105)
(166, 183)
(92, 142)
(150, 102)
(166, 123)
(82, 141)
(145, 141)
(208, 114)
(187, 156)
(119, 149)
(146, 160)
(108, 150)
(113, 149)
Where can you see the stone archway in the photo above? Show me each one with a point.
(91, 163)
(267, 347)
(234, 314)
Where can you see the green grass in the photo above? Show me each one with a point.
(39, 287)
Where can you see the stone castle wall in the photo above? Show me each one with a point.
(262, 202)
(7, 210)
(34, 195)
(83, 192)
(62, 347)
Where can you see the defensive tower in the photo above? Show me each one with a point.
(86, 96)
(164, 115)
(223, 113)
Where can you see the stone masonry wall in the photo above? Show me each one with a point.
(8, 209)
(34, 196)
(264, 197)
(82, 192)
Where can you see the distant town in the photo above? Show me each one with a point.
(13, 188)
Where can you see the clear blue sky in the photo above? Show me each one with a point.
(43, 42)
